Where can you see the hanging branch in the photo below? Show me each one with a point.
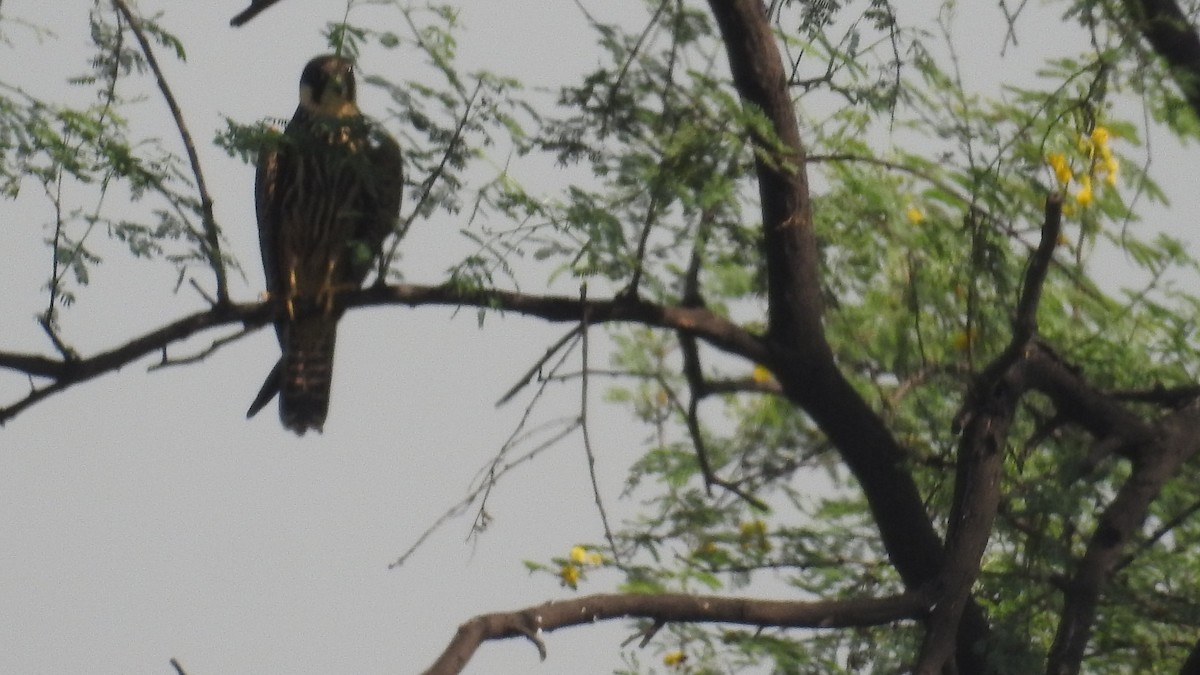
(584, 321)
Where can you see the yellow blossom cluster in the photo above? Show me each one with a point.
(1099, 161)
(674, 659)
(572, 570)
(963, 339)
(753, 535)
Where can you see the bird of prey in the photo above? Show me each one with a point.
(327, 192)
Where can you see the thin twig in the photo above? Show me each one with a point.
(698, 390)
(1159, 533)
(212, 243)
(587, 441)
(610, 105)
(536, 367)
(516, 437)
(428, 184)
(202, 355)
(494, 475)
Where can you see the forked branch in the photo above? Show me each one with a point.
(989, 410)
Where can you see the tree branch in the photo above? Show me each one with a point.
(1172, 36)
(990, 408)
(1179, 435)
(712, 328)
(801, 357)
(212, 243)
(532, 622)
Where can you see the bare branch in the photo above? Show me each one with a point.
(205, 353)
(537, 366)
(697, 390)
(493, 472)
(712, 328)
(583, 425)
(532, 622)
(256, 6)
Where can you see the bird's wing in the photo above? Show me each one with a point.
(266, 201)
(387, 176)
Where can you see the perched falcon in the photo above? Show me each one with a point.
(327, 192)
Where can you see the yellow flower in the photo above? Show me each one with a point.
(760, 375)
(579, 554)
(1110, 168)
(674, 659)
(753, 528)
(1084, 196)
(569, 575)
(753, 534)
(1100, 137)
(963, 339)
(1062, 170)
(914, 215)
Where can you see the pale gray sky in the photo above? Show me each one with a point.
(142, 518)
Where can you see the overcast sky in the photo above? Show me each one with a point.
(142, 518)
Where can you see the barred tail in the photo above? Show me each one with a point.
(307, 373)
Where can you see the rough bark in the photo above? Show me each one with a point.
(532, 622)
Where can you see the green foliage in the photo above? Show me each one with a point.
(928, 198)
(60, 147)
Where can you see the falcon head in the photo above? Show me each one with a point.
(327, 87)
